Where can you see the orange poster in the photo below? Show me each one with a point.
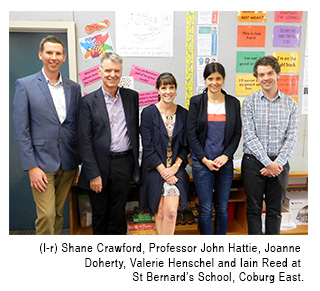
(252, 16)
(289, 84)
(251, 35)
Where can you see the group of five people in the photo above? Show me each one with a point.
(56, 130)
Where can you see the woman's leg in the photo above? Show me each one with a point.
(221, 196)
(204, 182)
(159, 217)
(170, 211)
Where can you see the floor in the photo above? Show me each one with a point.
(65, 231)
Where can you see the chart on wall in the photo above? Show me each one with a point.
(144, 33)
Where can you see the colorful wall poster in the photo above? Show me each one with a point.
(288, 16)
(251, 35)
(144, 33)
(252, 16)
(96, 45)
(127, 82)
(246, 61)
(288, 61)
(246, 85)
(287, 36)
(208, 40)
(289, 84)
(148, 97)
(144, 75)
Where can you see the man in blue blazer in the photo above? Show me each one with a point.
(45, 110)
(109, 147)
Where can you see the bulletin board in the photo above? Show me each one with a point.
(234, 38)
(182, 42)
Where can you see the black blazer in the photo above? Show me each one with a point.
(155, 142)
(95, 136)
(197, 125)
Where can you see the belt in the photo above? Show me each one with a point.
(117, 155)
(272, 158)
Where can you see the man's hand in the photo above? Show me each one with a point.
(272, 170)
(38, 179)
(96, 185)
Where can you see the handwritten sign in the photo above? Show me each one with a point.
(246, 61)
(252, 16)
(289, 84)
(148, 97)
(246, 85)
(144, 75)
(251, 35)
(288, 16)
(97, 26)
(90, 76)
(288, 61)
(287, 36)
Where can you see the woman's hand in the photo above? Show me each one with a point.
(220, 161)
(167, 173)
(210, 164)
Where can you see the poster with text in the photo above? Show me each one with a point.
(287, 36)
(288, 61)
(252, 16)
(208, 40)
(288, 16)
(144, 33)
(246, 61)
(251, 35)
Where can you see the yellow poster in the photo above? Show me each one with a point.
(288, 61)
(246, 85)
(252, 16)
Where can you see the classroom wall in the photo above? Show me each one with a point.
(227, 53)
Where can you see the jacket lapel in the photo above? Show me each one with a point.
(101, 105)
(67, 94)
(46, 93)
(126, 104)
(228, 117)
(178, 126)
(158, 121)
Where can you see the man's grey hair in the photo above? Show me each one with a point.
(111, 56)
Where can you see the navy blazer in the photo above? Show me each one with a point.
(155, 142)
(95, 135)
(42, 140)
(197, 125)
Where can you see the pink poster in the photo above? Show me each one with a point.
(148, 97)
(144, 75)
(288, 16)
(90, 76)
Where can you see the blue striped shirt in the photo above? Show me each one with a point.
(270, 128)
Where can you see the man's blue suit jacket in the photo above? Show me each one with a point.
(42, 140)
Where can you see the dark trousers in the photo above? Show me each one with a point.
(108, 207)
(256, 186)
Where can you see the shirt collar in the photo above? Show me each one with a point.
(48, 81)
(260, 94)
(109, 96)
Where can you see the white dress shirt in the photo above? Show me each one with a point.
(58, 97)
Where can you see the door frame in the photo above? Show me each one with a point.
(52, 26)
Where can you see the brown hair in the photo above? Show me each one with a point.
(53, 39)
(165, 79)
(266, 61)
